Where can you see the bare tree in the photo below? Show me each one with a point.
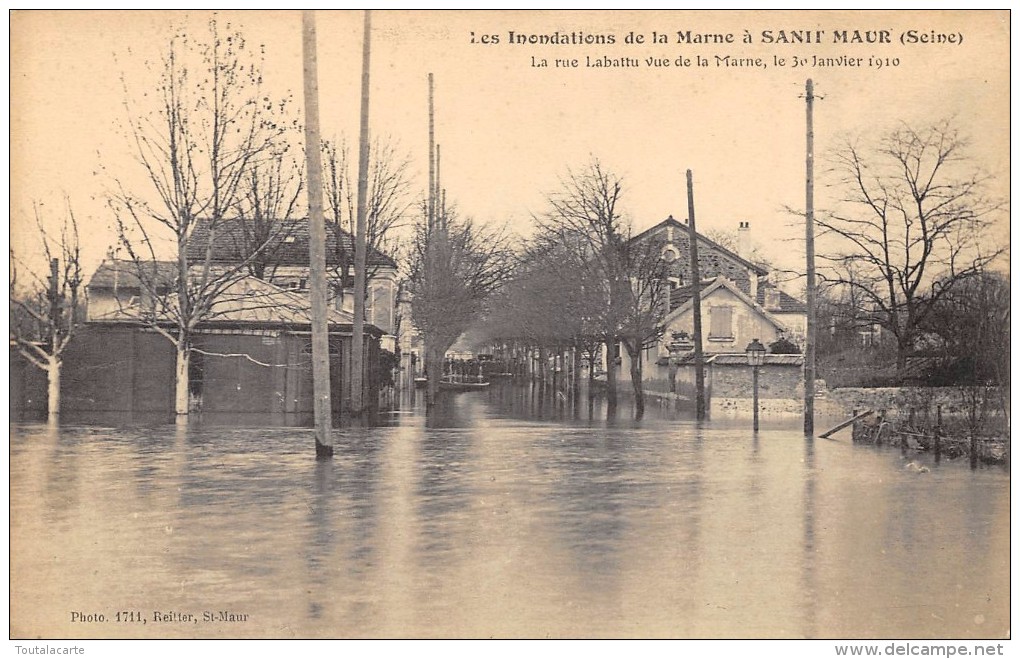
(44, 314)
(644, 303)
(455, 266)
(584, 215)
(266, 211)
(968, 334)
(548, 305)
(730, 240)
(628, 275)
(389, 201)
(910, 224)
(212, 127)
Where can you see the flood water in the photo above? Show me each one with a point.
(504, 521)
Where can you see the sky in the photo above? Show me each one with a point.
(510, 128)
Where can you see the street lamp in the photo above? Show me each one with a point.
(755, 352)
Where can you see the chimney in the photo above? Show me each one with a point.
(744, 252)
(744, 240)
(771, 298)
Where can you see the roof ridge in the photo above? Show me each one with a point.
(686, 227)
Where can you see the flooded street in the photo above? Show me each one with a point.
(499, 524)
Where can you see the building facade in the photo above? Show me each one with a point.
(279, 255)
(251, 350)
(739, 303)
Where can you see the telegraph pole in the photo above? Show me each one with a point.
(432, 161)
(358, 331)
(316, 245)
(809, 242)
(438, 195)
(699, 357)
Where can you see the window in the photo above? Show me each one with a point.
(721, 323)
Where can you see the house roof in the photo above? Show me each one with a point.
(252, 300)
(671, 222)
(248, 302)
(787, 303)
(682, 294)
(287, 244)
(128, 274)
(710, 287)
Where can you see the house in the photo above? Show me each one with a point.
(730, 318)
(714, 260)
(278, 253)
(252, 350)
(739, 303)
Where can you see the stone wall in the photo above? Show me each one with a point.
(774, 382)
(900, 400)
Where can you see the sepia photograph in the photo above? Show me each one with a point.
(510, 324)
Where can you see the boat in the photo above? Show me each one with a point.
(451, 385)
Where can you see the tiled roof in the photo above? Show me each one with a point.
(680, 295)
(251, 300)
(702, 240)
(287, 246)
(247, 301)
(787, 303)
(128, 274)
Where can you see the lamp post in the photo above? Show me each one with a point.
(755, 352)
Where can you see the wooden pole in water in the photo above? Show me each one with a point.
(358, 330)
(809, 243)
(938, 433)
(699, 357)
(316, 245)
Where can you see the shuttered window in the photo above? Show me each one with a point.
(721, 319)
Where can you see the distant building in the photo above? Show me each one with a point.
(739, 303)
(283, 261)
(252, 347)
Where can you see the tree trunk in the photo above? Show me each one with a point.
(434, 370)
(181, 393)
(635, 380)
(53, 390)
(902, 348)
(612, 349)
(575, 377)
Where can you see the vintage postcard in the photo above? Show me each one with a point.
(510, 324)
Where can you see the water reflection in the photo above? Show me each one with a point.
(507, 513)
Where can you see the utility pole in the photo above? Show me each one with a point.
(358, 331)
(438, 196)
(699, 357)
(809, 242)
(433, 362)
(432, 161)
(316, 245)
